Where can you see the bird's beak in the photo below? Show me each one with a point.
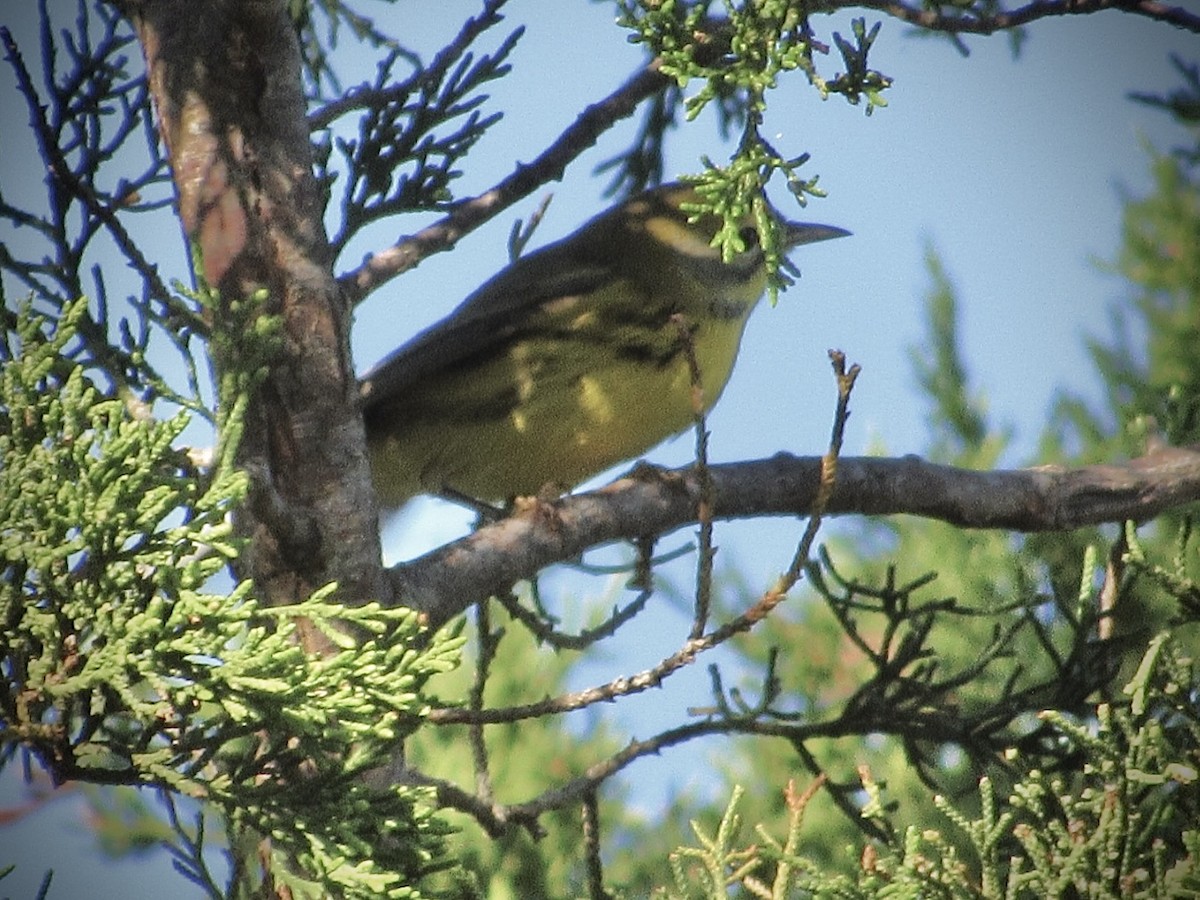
(797, 233)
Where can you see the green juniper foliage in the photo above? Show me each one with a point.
(122, 664)
(739, 59)
(1124, 823)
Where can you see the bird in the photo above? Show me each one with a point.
(571, 359)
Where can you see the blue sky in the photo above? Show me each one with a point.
(1012, 170)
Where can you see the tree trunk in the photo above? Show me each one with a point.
(226, 82)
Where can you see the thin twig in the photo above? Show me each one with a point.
(956, 22)
(919, 716)
(367, 97)
(829, 464)
(546, 633)
(488, 643)
(468, 215)
(495, 819)
(704, 507)
(591, 845)
(842, 794)
(60, 170)
(1114, 573)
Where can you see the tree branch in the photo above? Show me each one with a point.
(445, 582)
(499, 817)
(960, 22)
(883, 705)
(379, 268)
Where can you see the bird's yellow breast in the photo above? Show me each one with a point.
(577, 394)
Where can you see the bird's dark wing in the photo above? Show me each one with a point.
(486, 319)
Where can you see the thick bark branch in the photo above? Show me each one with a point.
(1050, 498)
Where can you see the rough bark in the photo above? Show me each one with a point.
(226, 82)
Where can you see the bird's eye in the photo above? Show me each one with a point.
(749, 236)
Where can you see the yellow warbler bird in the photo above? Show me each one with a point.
(568, 361)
